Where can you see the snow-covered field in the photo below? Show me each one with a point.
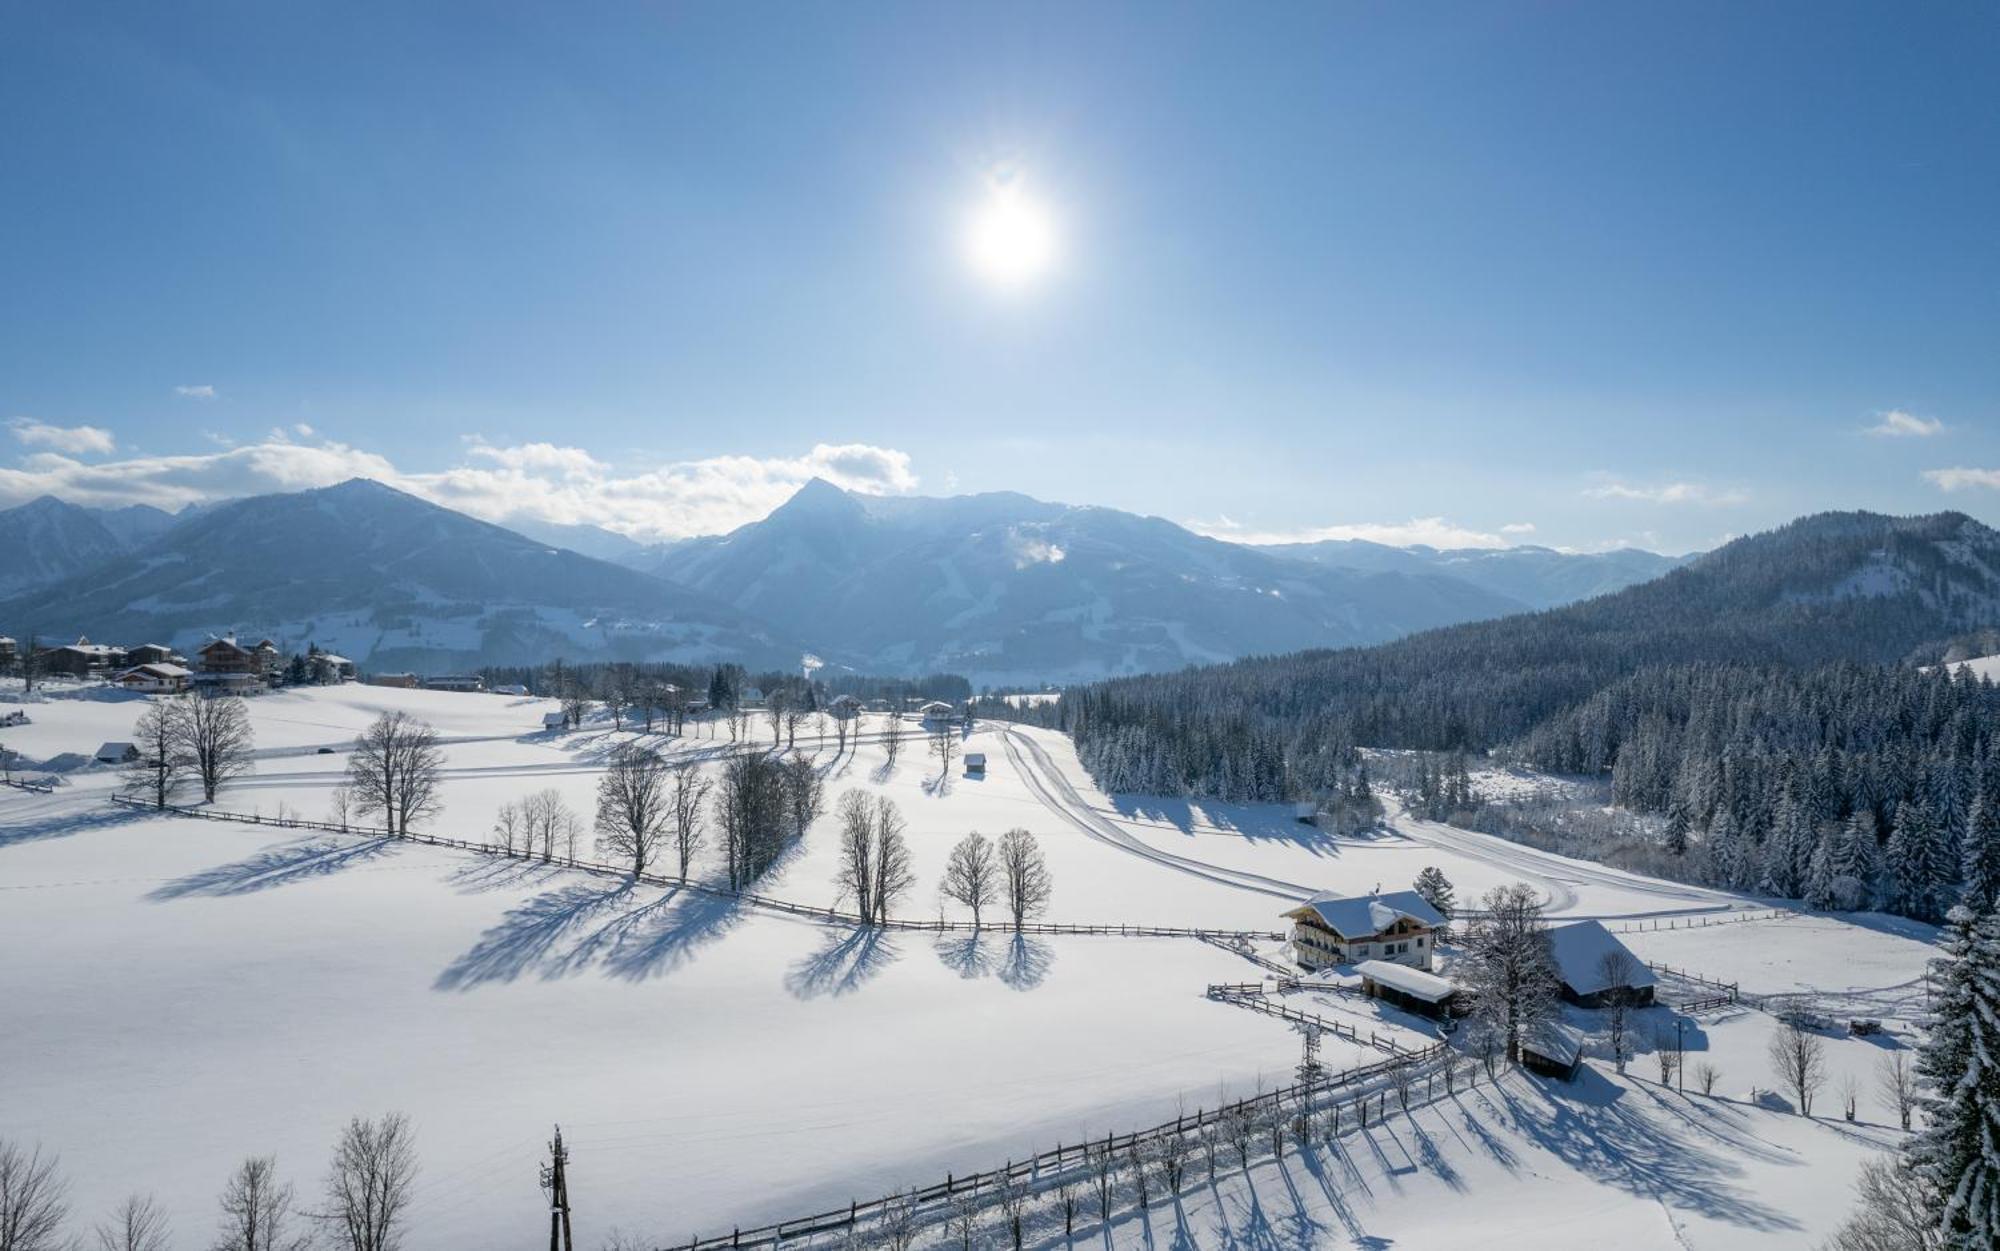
(183, 993)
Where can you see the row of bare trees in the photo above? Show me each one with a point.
(1011, 872)
(874, 855)
(200, 739)
(364, 1205)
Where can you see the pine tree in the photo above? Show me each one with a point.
(1958, 1150)
(1980, 851)
(1435, 889)
(1856, 862)
(1819, 891)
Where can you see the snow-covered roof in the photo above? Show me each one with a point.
(1554, 1041)
(157, 669)
(1580, 947)
(116, 751)
(1358, 916)
(1415, 983)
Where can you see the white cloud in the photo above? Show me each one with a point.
(1959, 478)
(76, 440)
(1667, 493)
(1418, 531)
(541, 481)
(203, 391)
(1897, 424)
(1518, 527)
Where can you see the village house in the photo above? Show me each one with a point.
(401, 681)
(226, 655)
(327, 668)
(1594, 966)
(935, 710)
(157, 678)
(152, 654)
(844, 706)
(1399, 927)
(469, 682)
(81, 659)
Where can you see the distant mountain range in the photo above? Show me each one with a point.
(1000, 587)
(388, 580)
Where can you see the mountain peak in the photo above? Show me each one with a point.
(821, 500)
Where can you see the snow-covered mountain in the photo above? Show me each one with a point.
(1005, 588)
(46, 540)
(391, 581)
(1535, 577)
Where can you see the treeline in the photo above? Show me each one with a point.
(1848, 786)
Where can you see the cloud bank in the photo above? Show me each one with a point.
(529, 481)
(1416, 532)
(1897, 424)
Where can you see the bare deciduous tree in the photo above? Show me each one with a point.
(368, 1186)
(1012, 1194)
(893, 875)
(897, 1226)
(394, 770)
(548, 820)
(139, 1224)
(215, 740)
(1896, 1212)
(804, 793)
(892, 736)
(972, 874)
(856, 811)
(1898, 1086)
(34, 1200)
(160, 739)
(944, 746)
(1799, 1058)
(1101, 1166)
(1026, 884)
(1667, 1054)
(687, 800)
(634, 810)
(1614, 970)
(1706, 1076)
(1509, 967)
(257, 1210)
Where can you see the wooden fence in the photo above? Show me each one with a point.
(1722, 994)
(34, 785)
(932, 1202)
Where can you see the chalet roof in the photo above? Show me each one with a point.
(333, 658)
(1415, 983)
(115, 750)
(1579, 949)
(158, 669)
(231, 644)
(1358, 916)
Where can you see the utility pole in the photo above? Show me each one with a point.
(555, 1184)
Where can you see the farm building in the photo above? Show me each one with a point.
(470, 682)
(116, 753)
(1552, 1049)
(154, 678)
(151, 654)
(402, 681)
(1594, 966)
(1411, 989)
(935, 710)
(1399, 927)
(975, 762)
(555, 721)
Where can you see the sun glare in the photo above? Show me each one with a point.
(1012, 241)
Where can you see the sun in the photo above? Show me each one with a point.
(1011, 241)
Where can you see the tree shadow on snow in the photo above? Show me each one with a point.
(1596, 1129)
(1025, 963)
(844, 962)
(275, 866)
(32, 831)
(583, 925)
(1019, 961)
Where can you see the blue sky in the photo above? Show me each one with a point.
(1620, 273)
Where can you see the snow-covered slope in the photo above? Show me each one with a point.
(391, 581)
(1006, 588)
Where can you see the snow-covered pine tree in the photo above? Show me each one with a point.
(1958, 1150)
(1857, 862)
(1979, 851)
(1818, 889)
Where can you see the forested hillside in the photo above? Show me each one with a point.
(1838, 587)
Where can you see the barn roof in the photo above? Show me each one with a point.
(1415, 983)
(1579, 949)
(1358, 916)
